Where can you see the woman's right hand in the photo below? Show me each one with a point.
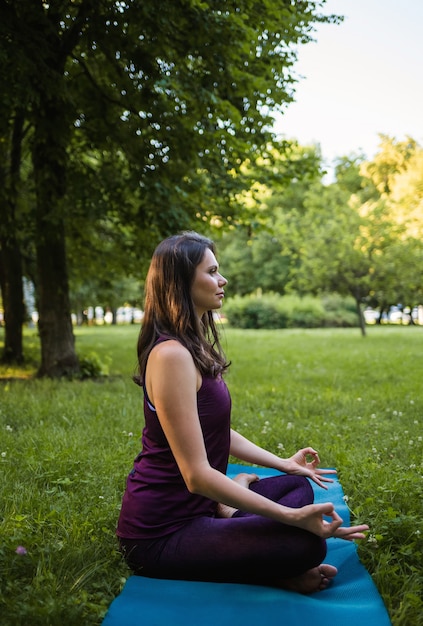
(311, 518)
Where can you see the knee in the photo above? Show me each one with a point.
(315, 549)
(300, 491)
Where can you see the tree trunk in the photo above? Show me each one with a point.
(58, 356)
(361, 319)
(13, 300)
(10, 255)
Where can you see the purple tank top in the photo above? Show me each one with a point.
(156, 501)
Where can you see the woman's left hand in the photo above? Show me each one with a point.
(304, 463)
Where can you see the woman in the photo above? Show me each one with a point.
(181, 516)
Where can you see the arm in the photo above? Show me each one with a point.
(248, 451)
(172, 383)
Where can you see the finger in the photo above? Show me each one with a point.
(308, 450)
(321, 470)
(316, 458)
(330, 529)
(319, 482)
(359, 528)
(311, 451)
(325, 480)
(328, 510)
(336, 521)
(353, 532)
(322, 476)
(352, 536)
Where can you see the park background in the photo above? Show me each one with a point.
(121, 124)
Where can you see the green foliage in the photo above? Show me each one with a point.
(67, 446)
(91, 366)
(340, 311)
(270, 310)
(357, 236)
(138, 97)
(255, 312)
(136, 123)
(306, 312)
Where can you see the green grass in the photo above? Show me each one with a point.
(66, 448)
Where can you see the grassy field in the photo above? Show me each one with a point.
(66, 448)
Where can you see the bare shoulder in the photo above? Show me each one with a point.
(171, 353)
(170, 363)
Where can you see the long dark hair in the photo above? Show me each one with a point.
(169, 309)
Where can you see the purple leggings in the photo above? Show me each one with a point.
(245, 548)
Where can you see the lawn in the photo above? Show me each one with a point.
(66, 447)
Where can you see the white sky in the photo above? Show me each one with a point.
(361, 78)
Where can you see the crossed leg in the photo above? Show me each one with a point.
(315, 579)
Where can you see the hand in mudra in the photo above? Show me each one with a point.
(312, 518)
(304, 463)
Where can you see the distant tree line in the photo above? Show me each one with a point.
(360, 235)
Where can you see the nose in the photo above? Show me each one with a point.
(222, 280)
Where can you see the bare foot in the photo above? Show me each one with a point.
(316, 579)
(245, 480)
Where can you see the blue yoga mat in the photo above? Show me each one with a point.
(351, 600)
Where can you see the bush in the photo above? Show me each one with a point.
(291, 311)
(307, 313)
(340, 312)
(92, 366)
(256, 312)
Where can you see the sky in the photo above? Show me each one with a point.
(360, 79)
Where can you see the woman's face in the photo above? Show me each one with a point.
(207, 288)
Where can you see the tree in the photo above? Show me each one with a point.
(357, 236)
(397, 171)
(399, 282)
(330, 246)
(253, 249)
(180, 95)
